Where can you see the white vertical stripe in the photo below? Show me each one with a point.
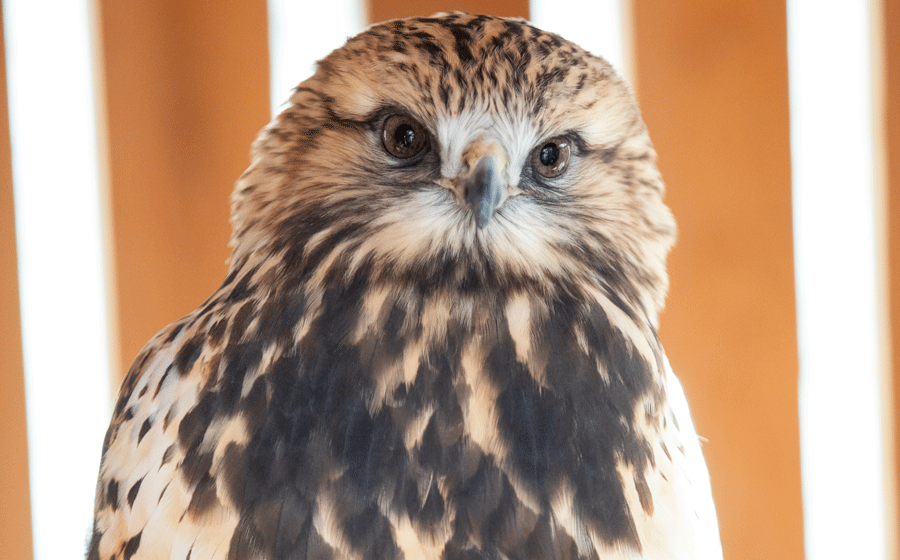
(837, 206)
(600, 26)
(61, 263)
(302, 33)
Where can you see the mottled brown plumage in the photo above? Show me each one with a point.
(437, 336)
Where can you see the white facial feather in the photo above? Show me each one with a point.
(516, 134)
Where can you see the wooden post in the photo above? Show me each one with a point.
(187, 85)
(380, 10)
(712, 80)
(15, 513)
(891, 29)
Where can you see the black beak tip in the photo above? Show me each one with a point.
(483, 216)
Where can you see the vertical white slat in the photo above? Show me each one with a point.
(302, 33)
(838, 196)
(600, 26)
(50, 75)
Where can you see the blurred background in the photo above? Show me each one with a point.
(778, 131)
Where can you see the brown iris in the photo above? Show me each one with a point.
(551, 158)
(403, 136)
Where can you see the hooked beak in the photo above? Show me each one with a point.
(482, 185)
(483, 190)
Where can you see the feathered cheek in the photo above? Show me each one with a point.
(526, 237)
(426, 222)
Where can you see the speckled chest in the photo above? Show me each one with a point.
(472, 418)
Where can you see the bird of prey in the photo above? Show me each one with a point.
(437, 334)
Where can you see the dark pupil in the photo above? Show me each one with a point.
(405, 135)
(549, 154)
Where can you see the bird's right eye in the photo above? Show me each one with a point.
(403, 136)
(551, 158)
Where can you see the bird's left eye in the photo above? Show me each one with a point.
(551, 158)
(403, 136)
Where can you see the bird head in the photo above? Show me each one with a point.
(459, 151)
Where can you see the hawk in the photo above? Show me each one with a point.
(437, 334)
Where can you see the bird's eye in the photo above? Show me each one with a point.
(551, 158)
(403, 136)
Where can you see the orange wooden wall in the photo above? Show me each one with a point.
(15, 504)
(891, 28)
(381, 10)
(712, 83)
(187, 90)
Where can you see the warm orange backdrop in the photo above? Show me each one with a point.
(15, 505)
(187, 89)
(891, 28)
(380, 10)
(712, 84)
